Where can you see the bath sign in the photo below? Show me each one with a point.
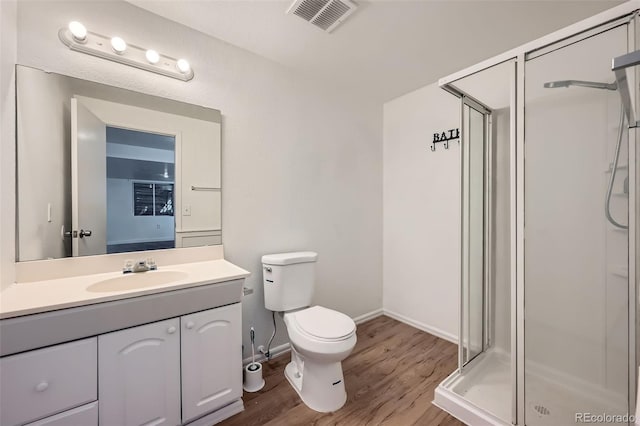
(445, 137)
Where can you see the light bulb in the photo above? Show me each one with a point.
(183, 66)
(118, 45)
(78, 31)
(152, 56)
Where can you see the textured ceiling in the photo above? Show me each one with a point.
(386, 48)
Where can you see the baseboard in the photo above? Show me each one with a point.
(463, 410)
(421, 326)
(368, 316)
(220, 414)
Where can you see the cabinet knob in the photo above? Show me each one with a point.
(190, 325)
(41, 387)
(171, 330)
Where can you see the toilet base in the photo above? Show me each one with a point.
(319, 385)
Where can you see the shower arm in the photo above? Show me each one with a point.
(619, 66)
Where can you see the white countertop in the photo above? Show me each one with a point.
(48, 295)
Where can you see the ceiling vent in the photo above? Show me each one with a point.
(324, 14)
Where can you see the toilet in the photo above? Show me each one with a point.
(320, 338)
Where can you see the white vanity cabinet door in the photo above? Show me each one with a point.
(86, 415)
(138, 375)
(211, 360)
(43, 382)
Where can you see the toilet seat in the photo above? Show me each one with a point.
(322, 324)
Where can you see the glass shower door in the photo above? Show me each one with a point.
(486, 371)
(575, 259)
(474, 143)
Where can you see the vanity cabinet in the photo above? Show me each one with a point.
(167, 358)
(139, 378)
(210, 368)
(171, 372)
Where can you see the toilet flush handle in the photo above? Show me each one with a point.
(267, 268)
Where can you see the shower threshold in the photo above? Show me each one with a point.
(482, 395)
(486, 383)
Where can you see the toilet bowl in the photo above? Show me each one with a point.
(320, 339)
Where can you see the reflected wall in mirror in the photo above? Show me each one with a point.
(107, 170)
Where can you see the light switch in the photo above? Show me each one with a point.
(49, 212)
(186, 211)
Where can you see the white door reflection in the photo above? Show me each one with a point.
(88, 181)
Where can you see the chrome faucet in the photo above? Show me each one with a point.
(139, 266)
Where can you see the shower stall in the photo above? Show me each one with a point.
(549, 202)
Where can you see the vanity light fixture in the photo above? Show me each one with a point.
(119, 45)
(183, 66)
(152, 56)
(76, 37)
(78, 31)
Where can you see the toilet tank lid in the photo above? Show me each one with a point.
(289, 258)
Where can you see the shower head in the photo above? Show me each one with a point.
(590, 84)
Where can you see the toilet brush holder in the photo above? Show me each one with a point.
(253, 380)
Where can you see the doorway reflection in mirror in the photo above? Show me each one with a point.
(140, 190)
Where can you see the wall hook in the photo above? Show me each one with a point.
(444, 138)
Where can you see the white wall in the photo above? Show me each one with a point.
(421, 237)
(125, 228)
(8, 42)
(302, 161)
(42, 187)
(421, 212)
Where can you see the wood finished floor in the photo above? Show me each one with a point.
(390, 378)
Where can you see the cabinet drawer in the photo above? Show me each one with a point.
(46, 381)
(86, 415)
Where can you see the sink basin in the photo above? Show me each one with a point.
(136, 281)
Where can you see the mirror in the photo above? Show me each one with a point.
(107, 170)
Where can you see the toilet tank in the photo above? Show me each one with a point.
(288, 280)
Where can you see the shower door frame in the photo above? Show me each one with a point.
(487, 176)
(488, 276)
(556, 40)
